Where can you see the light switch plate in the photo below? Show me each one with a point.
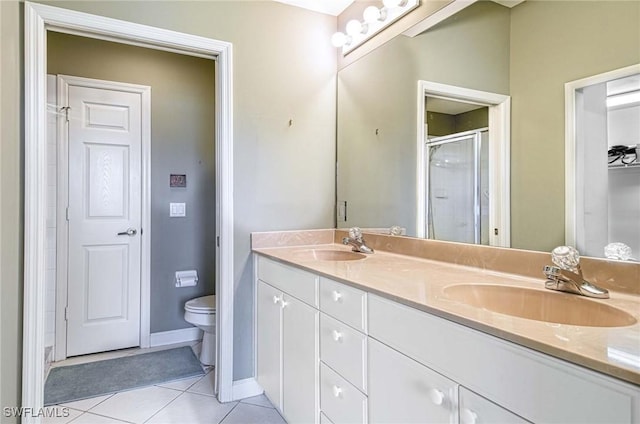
(177, 210)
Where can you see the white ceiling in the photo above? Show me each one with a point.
(330, 7)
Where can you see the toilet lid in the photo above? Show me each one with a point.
(201, 304)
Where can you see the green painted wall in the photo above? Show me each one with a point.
(11, 201)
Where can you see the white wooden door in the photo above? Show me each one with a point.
(300, 374)
(269, 342)
(104, 145)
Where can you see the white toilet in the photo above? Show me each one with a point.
(201, 312)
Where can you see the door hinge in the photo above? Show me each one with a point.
(66, 213)
(66, 313)
(218, 241)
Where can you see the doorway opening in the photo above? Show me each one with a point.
(39, 19)
(489, 189)
(602, 166)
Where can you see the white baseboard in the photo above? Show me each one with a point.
(175, 336)
(246, 388)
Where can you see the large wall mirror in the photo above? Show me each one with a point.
(528, 53)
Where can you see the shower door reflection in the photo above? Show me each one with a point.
(457, 187)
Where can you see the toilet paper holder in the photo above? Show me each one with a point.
(186, 278)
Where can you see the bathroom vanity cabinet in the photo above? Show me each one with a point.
(362, 357)
(288, 340)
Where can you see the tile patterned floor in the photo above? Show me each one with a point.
(189, 401)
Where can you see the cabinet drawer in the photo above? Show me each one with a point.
(340, 401)
(300, 284)
(476, 409)
(345, 303)
(345, 350)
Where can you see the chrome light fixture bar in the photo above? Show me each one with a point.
(374, 20)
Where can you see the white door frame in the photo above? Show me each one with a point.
(62, 225)
(570, 140)
(499, 155)
(39, 19)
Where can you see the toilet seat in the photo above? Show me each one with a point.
(201, 305)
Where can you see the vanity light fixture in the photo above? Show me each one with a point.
(373, 14)
(374, 20)
(355, 27)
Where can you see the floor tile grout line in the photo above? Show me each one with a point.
(108, 396)
(161, 408)
(158, 411)
(253, 404)
(181, 390)
(100, 415)
(228, 413)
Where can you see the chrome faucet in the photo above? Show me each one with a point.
(356, 240)
(566, 275)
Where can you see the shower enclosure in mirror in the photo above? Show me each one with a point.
(458, 187)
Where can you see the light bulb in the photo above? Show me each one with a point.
(339, 39)
(373, 14)
(390, 4)
(354, 27)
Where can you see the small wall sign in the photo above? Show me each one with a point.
(177, 180)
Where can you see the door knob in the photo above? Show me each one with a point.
(129, 232)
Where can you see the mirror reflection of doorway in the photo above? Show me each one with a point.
(457, 177)
(607, 122)
(445, 110)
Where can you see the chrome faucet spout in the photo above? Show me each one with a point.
(566, 275)
(571, 282)
(356, 241)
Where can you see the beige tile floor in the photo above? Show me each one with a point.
(189, 401)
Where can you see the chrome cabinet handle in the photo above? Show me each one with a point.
(130, 232)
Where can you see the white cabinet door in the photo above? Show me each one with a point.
(269, 342)
(403, 391)
(475, 409)
(300, 361)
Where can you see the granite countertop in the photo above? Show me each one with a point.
(422, 284)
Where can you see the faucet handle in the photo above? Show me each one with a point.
(355, 233)
(395, 230)
(566, 257)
